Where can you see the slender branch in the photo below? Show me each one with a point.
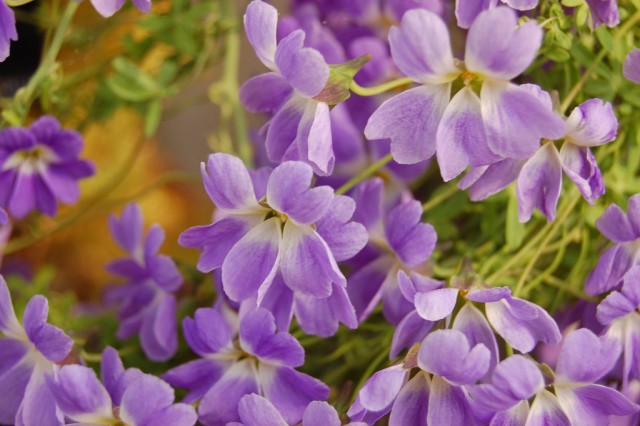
(364, 174)
(376, 90)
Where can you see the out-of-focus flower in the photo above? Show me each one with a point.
(504, 120)
(283, 247)
(3, 217)
(624, 230)
(39, 165)
(27, 353)
(468, 10)
(631, 66)
(603, 12)
(146, 302)
(7, 30)
(107, 8)
(260, 360)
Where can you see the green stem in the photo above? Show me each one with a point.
(376, 90)
(444, 195)
(17, 3)
(364, 174)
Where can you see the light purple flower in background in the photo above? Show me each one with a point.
(505, 120)
(127, 396)
(468, 10)
(107, 8)
(624, 230)
(254, 410)
(3, 217)
(39, 165)
(301, 126)
(631, 66)
(146, 302)
(27, 353)
(603, 12)
(260, 361)
(7, 29)
(619, 312)
(398, 240)
(281, 248)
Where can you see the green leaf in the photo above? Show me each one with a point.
(337, 88)
(152, 118)
(605, 38)
(572, 3)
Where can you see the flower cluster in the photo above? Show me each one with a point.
(326, 233)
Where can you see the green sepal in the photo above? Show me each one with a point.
(341, 75)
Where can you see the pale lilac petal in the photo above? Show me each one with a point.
(522, 4)
(603, 12)
(24, 197)
(381, 390)
(228, 183)
(50, 341)
(616, 225)
(208, 332)
(574, 367)
(592, 405)
(522, 324)
(107, 8)
(368, 199)
(258, 337)
(8, 320)
(159, 334)
(437, 304)
(304, 68)
(581, 167)
(540, 183)
(461, 140)
(546, 411)
(4, 218)
(472, 323)
(38, 406)
(115, 378)
(288, 192)
(319, 413)
(264, 93)
(366, 286)
(485, 181)
(514, 416)
(239, 380)
(314, 138)
(260, 24)
(631, 67)
(412, 329)
(345, 237)
(468, 10)
(290, 391)
(410, 120)
(128, 230)
(143, 398)
(411, 240)
(7, 31)
(516, 120)
(13, 382)
(421, 48)
(278, 299)
(197, 376)
(518, 377)
(411, 405)
(253, 261)
(175, 415)
(322, 316)
(447, 353)
(497, 48)
(79, 393)
(592, 123)
(283, 128)
(486, 295)
(448, 405)
(257, 410)
(417, 283)
(610, 270)
(306, 263)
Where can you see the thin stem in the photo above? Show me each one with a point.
(444, 195)
(16, 3)
(376, 90)
(364, 174)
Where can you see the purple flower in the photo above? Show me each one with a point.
(631, 66)
(468, 10)
(603, 12)
(468, 129)
(281, 252)
(7, 30)
(260, 361)
(39, 166)
(398, 240)
(3, 217)
(141, 399)
(254, 409)
(27, 353)
(624, 230)
(301, 126)
(147, 304)
(107, 8)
